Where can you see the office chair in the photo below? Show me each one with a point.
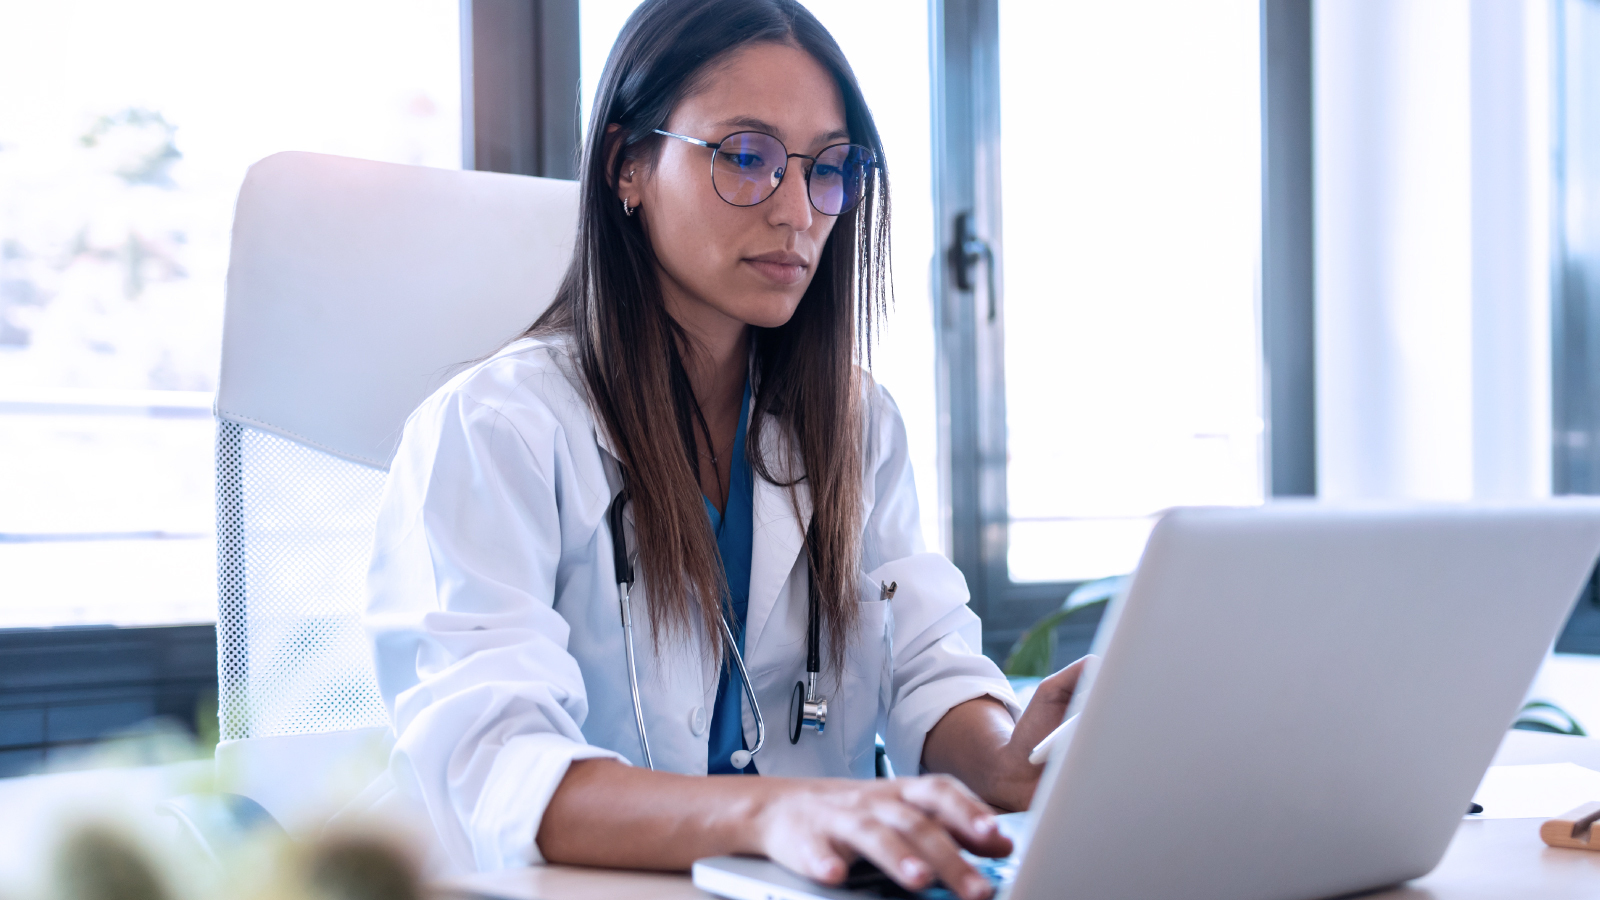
(355, 288)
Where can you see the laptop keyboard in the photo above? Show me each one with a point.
(870, 881)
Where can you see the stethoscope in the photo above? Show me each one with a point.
(807, 708)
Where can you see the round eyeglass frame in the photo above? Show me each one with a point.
(716, 148)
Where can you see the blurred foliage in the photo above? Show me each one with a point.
(101, 284)
(1541, 715)
(110, 859)
(1031, 656)
(207, 727)
(100, 862)
(119, 841)
(148, 148)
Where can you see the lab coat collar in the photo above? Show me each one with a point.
(779, 534)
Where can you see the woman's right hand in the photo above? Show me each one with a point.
(911, 828)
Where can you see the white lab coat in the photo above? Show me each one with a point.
(498, 640)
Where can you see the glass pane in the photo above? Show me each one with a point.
(119, 166)
(1130, 152)
(886, 42)
(1577, 176)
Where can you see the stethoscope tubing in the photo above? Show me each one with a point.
(624, 570)
(633, 675)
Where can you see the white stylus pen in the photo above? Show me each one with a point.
(1063, 732)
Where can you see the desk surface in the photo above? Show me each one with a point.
(1491, 859)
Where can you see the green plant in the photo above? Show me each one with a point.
(1540, 715)
(1031, 655)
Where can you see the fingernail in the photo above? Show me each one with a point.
(977, 887)
(983, 824)
(913, 870)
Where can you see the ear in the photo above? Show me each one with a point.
(629, 182)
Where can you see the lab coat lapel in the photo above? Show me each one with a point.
(779, 535)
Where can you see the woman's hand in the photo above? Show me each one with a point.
(978, 743)
(607, 813)
(1046, 710)
(911, 828)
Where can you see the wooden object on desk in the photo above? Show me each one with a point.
(1574, 829)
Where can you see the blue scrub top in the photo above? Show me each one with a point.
(734, 543)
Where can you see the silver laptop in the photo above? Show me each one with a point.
(1295, 701)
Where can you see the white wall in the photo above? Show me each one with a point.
(1432, 249)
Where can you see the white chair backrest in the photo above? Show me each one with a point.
(355, 288)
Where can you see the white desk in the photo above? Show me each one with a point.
(1492, 859)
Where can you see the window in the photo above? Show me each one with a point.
(1576, 289)
(1098, 211)
(1577, 248)
(119, 165)
(1130, 202)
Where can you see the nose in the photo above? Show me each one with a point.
(790, 205)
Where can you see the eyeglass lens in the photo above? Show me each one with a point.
(749, 166)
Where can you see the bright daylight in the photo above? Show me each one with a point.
(803, 449)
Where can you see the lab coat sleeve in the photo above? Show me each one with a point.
(936, 640)
(472, 662)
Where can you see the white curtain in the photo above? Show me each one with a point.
(1432, 249)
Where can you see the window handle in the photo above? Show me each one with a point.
(966, 251)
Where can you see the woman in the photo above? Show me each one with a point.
(699, 361)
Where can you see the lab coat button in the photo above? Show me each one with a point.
(697, 720)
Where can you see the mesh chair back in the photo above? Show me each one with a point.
(355, 288)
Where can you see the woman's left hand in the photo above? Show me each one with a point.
(1015, 778)
(964, 742)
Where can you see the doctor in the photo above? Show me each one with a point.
(701, 355)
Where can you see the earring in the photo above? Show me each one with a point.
(626, 209)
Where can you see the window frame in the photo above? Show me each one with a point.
(969, 310)
(969, 307)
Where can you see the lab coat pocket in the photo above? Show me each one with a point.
(867, 682)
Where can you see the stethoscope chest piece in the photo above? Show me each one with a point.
(806, 710)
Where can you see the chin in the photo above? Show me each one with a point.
(772, 317)
(773, 313)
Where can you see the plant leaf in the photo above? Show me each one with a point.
(1031, 654)
(1565, 723)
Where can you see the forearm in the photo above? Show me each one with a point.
(605, 813)
(978, 743)
(968, 742)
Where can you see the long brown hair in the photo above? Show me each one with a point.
(629, 350)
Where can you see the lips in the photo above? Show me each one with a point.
(780, 266)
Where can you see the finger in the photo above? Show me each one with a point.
(816, 858)
(1048, 707)
(887, 849)
(1062, 684)
(936, 847)
(955, 807)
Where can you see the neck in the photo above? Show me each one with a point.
(717, 373)
(716, 359)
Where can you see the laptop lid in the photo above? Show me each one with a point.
(1298, 701)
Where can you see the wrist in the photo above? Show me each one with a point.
(1009, 784)
(749, 816)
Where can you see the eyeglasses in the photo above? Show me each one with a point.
(748, 166)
